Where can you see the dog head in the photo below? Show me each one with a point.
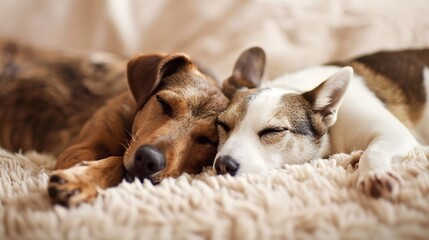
(174, 130)
(265, 128)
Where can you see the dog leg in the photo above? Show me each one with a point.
(104, 135)
(383, 136)
(82, 183)
(78, 174)
(375, 177)
(389, 141)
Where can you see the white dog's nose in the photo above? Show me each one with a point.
(226, 164)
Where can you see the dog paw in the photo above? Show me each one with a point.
(379, 184)
(355, 158)
(72, 186)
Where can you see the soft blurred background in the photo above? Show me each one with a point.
(293, 33)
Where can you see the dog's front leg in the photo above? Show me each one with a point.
(364, 123)
(87, 166)
(83, 182)
(103, 135)
(375, 176)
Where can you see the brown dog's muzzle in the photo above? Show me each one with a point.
(148, 160)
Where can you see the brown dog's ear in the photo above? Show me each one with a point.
(145, 72)
(247, 73)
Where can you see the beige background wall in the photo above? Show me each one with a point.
(294, 33)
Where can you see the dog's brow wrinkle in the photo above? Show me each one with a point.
(305, 127)
(200, 109)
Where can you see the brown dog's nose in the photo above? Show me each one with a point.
(148, 160)
(226, 164)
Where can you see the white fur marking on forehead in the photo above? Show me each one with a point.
(263, 107)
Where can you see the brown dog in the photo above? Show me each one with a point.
(162, 127)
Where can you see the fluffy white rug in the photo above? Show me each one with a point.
(317, 200)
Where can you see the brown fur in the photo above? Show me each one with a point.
(303, 122)
(45, 97)
(116, 123)
(76, 185)
(191, 133)
(236, 110)
(246, 75)
(396, 78)
(248, 70)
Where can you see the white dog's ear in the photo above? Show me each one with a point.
(248, 71)
(327, 97)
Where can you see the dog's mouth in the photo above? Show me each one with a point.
(131, 177)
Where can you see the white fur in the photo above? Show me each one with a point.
(422, 129)
(339, 80)
(364, 123)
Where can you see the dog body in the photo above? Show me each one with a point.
(162, 126)
(324, 110)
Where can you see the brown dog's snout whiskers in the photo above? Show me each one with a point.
(148, 160)
(226, 164)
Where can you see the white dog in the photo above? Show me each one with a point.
(323, 110)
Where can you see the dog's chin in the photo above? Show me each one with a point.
(131, 177)
(251, 171)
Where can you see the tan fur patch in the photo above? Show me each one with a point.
(391, 95)
(237, 108)
(273, 138)
(300, 116)
(69, 186)
(46, 96)
(397, 80)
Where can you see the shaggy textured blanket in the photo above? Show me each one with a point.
(317, 200)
